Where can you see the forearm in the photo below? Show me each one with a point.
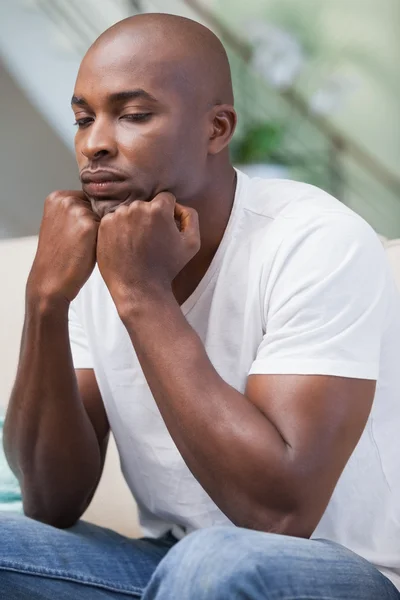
(235, 452)
(49, 440)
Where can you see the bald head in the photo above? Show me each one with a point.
(185, 48)
(153, 100)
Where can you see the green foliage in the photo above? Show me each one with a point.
(261, 143)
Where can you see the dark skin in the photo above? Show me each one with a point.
(269, 458)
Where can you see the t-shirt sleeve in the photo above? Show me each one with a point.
(324, 301)
(81, 356)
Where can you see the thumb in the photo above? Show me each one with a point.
(188, 220)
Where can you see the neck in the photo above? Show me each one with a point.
(214, 206)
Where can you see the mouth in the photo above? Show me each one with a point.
(102, 183)
(105, 189)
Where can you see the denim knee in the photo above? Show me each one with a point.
(228, 562)
(209, 563)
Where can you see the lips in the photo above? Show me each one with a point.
(102, 183)
(100, 176)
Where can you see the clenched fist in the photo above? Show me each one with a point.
(145, 245)
(66, 253)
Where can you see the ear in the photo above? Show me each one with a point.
(222, 127)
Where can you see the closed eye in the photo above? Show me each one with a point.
(136, 117)
(83, 122)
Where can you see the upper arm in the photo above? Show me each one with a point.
(321, 419)
(315, 372)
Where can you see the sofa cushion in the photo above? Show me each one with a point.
(10, 493)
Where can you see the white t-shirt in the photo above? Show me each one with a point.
(299, 285)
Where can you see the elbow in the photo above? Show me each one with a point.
(295, 522)
(60, 509)
(55, 514)
(59, 520)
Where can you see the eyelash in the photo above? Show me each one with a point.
(136, 117)
(82, 122)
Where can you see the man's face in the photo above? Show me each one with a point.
(140, 128)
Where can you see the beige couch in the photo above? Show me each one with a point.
(113, 505)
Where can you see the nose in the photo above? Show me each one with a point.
(99, 140)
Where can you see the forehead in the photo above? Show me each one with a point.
(124, 64)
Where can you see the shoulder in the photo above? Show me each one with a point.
(284, 198)
(303, 217)
(301, 210)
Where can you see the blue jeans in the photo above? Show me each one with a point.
(85, 562)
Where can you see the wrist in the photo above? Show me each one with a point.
(46, 304)
(134, 303)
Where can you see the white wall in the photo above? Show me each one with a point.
(16, 257)
(33, 162)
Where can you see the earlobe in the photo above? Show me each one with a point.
(222, 128)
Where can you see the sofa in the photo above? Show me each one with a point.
(112, 505)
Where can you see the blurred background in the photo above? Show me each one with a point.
(317, 89)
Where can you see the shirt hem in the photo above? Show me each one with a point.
(314, 367)
(81, 362)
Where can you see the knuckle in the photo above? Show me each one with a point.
(54, 196)
(106, 219)
(68, 201)
(86, 225)
(163, 199)
(77, 212)
(137, 205)
(166, 197)
(157, 205)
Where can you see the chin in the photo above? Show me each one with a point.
(103, 207)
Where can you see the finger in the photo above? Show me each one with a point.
(59, 195)
(80, 194)
(75, 193)
(188, 219)
(165, 199)
(70, 198)
(135, 208)
(84, 198)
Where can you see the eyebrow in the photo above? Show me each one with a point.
(117, 97)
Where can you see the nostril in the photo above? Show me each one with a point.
(100, 153)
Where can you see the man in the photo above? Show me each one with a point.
(239, 337)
